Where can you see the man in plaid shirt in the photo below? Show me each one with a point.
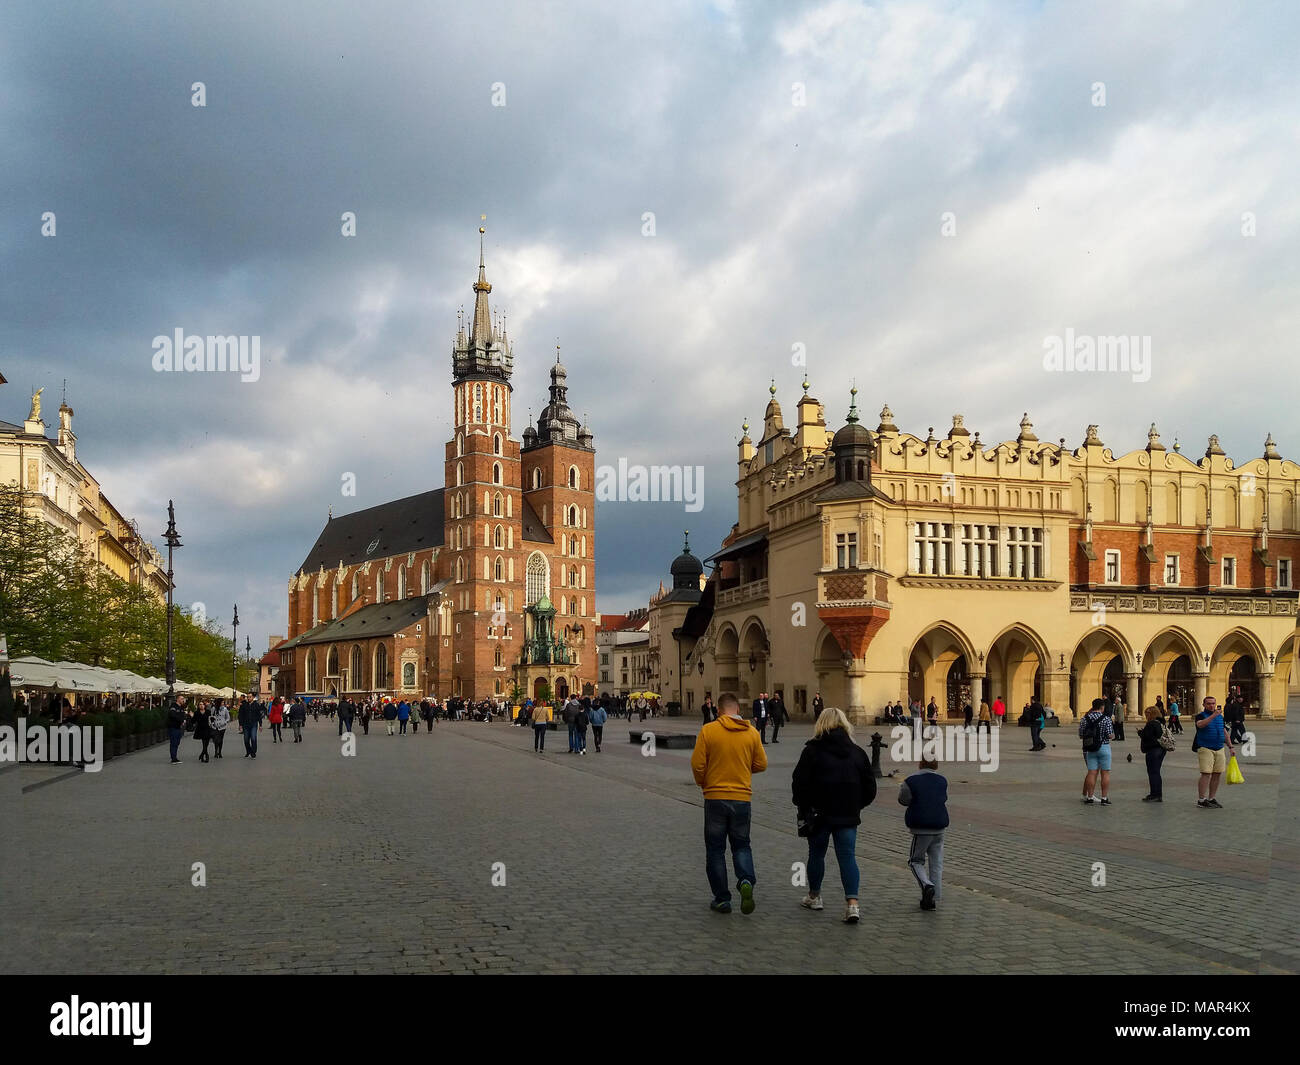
(1096, 731)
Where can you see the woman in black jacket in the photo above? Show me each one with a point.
(203, 729)
(833, 783)
(1150, 734)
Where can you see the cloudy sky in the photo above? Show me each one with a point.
(917, 194)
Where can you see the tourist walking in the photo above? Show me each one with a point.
(778, 714)
(347, 712)
(297, 719)
(818, 705)
(203, 729)
(1117, 710)
(218, 724)
(569, 716)
(1037, 719)
(1213, 747)
(727, 753)
(580, 722)
(1096, 730)
(365, 719)
(832, 783)
(250, 721)
(598, 717)
(968, 712)
(708, 710)
(541, 722)
(932, 711)
(403, 716)
(925, 794)
(176, 719)
(999, 710)
(1175, 724)
(760, 715)
(985, 720)
(1153, 736)
(275, 716)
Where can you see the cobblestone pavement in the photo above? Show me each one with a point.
(384, 863)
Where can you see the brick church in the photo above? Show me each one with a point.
(484, 588)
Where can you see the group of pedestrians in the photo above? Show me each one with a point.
(832, 784)
(1213, 744)
(769, 711)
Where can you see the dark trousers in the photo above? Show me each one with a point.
(776, 729)
(598, 734)
(1035, 736)
(761, 725)
(727, 820)
(1119, 727)
(1175, 724)
(250, 740)
(365, 726)
(539, 736)
(218, 738)
(1154, 760)
(1238, 731)
(203, 754)
(174, 735)
(275, 732)
(581, 735)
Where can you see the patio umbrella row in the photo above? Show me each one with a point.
(37, 674)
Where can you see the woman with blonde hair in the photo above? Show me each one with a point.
(832, 784)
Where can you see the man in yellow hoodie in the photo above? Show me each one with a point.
(728, 751)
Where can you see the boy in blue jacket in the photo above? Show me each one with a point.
(925, 794)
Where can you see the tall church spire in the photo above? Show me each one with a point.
(485, 352)
(481, 330)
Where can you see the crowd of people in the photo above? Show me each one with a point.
(208, 719)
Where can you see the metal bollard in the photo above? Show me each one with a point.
(876, 744)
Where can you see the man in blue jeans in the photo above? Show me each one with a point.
(176, 717)
(728, 751)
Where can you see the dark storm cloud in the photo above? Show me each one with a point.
(776, 224)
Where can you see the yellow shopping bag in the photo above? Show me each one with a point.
(1233, 774)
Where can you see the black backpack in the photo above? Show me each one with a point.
(1091, 733)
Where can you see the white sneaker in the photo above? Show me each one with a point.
(812, 902)
(851, 913)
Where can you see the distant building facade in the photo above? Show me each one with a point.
(56, 487)
(879, 565)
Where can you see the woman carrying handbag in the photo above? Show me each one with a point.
(832, 784)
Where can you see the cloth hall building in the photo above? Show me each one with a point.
(471, 589)
(875, 566)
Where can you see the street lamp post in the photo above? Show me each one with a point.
(234, 651)
(248, 657)
(173, 541)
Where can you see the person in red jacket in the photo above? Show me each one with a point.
(999, 711)
(275, 715)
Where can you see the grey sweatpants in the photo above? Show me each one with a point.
(927, 845)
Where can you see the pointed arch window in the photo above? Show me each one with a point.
(379, 587)
(424, 578)
(355, 678)
(537, 477)
(498, 537)
(573, 476)
(573, 515)
(381, 667)
(499, 569)
(496, 505)
(537, 579)
(356, 585)
(496, 444)
(311, 670)
(460, 444)
(401, 582)
(496, 473)
(460, 474)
